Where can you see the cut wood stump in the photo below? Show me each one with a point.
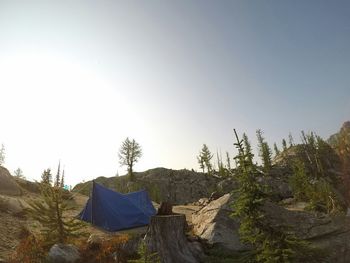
(166, 236)
(165, 208)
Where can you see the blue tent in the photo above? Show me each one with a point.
(114, 211)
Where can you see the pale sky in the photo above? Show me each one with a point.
(78, 77)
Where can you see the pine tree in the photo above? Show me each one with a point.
(129, 153)
(228, 162)
(221, 168)
(50, 212)
(248, 148)
(277, 151)
(284, 145)
(291, 140)
(46, 177)
(264, 152)
(205, 156)
(19, 173)
(201, 163)
(270, 244)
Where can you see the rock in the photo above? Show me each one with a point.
(346, 125)
(214, 224)
(8, 185)
(227, 185)
(280, 188)
(202, 202)
(330, 234)
(163, 185)
(61, 253)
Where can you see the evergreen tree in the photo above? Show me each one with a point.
(264, 152)
(291, 140)
(270, 244)
(19, 173)
(248, 148)
(277, 151)
(311, 181)
(51, 212)
(129, 153)
(205, 156)
(201, 163)
(221, 168)
(284, 145)
(46, 177)
(228, 162)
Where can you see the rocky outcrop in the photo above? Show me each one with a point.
(214, 224)
(61, 253)
(174, 186)
(329, 233)
(8, 185)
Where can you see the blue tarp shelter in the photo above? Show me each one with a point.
(114, 211)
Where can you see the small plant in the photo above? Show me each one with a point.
(110, 250)
(50, 212)
(30, 249)
(145, 255)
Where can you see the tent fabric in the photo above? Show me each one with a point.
(114, 211)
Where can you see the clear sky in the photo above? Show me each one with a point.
(78, 77)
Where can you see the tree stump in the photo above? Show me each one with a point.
(166, 236)
(165, 208)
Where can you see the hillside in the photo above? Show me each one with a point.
(176, 186)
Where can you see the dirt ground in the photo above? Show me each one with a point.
(12, 224)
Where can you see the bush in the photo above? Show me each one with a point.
(106, 251)
(30, 249)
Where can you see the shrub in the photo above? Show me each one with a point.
(106, 251)
(30, 249)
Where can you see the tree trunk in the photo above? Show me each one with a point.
(166, 236)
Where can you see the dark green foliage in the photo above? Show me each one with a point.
(228, 162)
(204, 159)
(50, 213)
(46, 177)
(264, 152)
(291, 140)
(129, 153)
(145, 256)
(222, 170)
(271, 244)
(277, 151)
(248, 149)
(284, 145)
(312, 180)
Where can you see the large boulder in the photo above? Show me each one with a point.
(61, 253)
(329, 233)
(214, 224)
(8, 185)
